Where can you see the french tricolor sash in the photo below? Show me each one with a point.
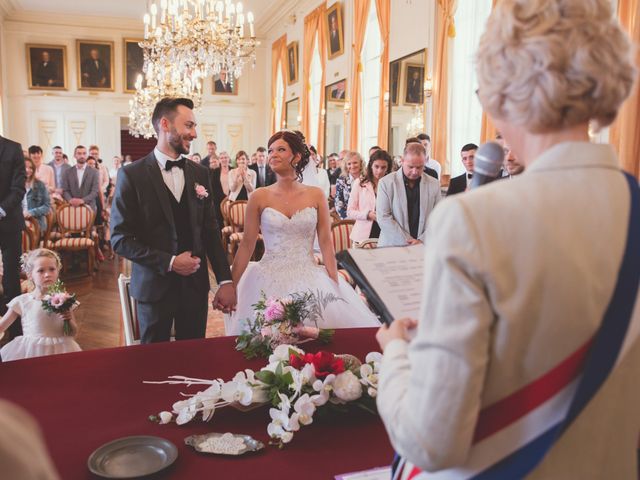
(513, 435)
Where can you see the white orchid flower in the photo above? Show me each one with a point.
(305, 409)
(239, 392)
(373, 357)
(324, 388)
(281, 353)
(165, 417)
(368, 376)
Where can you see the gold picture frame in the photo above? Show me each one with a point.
(223, 87)
(132, 63)
(334, 31)
(95, 71)
(46, 66)
(292, 63)
(337, 92)
(414, 85)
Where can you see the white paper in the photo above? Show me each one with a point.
(383, 473)
(396, 274)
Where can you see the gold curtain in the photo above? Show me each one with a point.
(383, 8)
(445, 11)
(625, 132)
(488, 130)
(322, 49)
(277, 56)
(360, 13)
(311, 27)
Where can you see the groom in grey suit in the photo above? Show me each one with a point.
(405, 200)
(80, 183)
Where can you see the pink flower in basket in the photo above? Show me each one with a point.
(274, 310)
(201, 192)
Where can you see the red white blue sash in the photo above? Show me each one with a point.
(513, 435)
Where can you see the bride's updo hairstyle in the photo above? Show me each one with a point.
(296, 141)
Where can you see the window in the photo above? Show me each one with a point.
(279, 97)
(314, 97)
(370, 78)
(465, 112)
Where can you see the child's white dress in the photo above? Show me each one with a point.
(42, 332)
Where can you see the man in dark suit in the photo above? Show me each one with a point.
(222, 85)
(334, 34)
(414, 88)
(95, 72)
(460, 183)
(46, 72)
(81, 184)
(265, 176)
(162, 219)
(211, 151)
(12, 190)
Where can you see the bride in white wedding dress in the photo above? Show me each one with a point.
(289, 215)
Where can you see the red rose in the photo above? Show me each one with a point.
(326, 363)
(299, 361)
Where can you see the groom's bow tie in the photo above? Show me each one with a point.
(174, 163)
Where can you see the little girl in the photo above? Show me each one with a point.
(42, 331)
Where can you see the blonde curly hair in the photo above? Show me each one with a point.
(552, 64)
(29, 258)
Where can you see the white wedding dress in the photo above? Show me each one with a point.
(288, 267)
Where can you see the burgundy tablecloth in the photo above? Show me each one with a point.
(83, 400)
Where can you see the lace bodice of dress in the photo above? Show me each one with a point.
(288, 241)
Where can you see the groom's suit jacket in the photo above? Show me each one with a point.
(143, 228)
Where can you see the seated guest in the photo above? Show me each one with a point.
(428, 170)
(265, 175)
(80, 184)
(430, 163)
(515, 370)
(351, 169)
(333, 169)
(214, 161)
(373, 149)
(242, 180)
(44, 173)
(36, 203)
(94, 151)
(211, 152)
(405, 200)
(314, 175)
(59, 166)
(195, 157)
(512, 166)
(362, 201)
(220, 175)
(462, 182)
(113, 172)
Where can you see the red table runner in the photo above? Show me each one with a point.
(83, 400)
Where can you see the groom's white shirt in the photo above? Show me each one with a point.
(174, 178)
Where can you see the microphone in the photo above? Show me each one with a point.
(487, 164)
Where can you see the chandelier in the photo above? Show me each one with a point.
(185, 42)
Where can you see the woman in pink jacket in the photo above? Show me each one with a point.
(362, 202)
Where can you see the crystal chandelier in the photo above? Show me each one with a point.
(185, 42)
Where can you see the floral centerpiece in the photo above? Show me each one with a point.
(280, 321)
(58, 300)
(296, 384)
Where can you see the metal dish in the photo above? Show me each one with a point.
(132, 457)
(224, 443)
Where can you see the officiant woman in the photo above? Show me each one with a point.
(525, 278)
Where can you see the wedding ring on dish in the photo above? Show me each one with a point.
(224, 443)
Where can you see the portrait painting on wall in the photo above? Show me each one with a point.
(337, 91)
(414, 82)
(292, 63)
(95, 65)
(335, 34)
(133, 62)
(223, 84)
(394, 82)
(47, 65)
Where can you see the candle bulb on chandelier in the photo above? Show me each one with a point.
(252, 33)
(219, 9)
(146, 21)
(163, 11)
(154, 12)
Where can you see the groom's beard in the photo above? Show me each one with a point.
(176, 141)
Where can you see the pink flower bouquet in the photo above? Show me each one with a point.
(58, 300)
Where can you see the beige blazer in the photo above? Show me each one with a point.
(392, 212)
(518, 275)
(251, 177)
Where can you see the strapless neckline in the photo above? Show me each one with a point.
(297, 212)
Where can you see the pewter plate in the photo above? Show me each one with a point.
(224, 443)
(132, 457)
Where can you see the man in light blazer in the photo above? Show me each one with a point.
(405, 200)
(80, 183)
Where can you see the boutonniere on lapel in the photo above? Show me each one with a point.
(201, 192)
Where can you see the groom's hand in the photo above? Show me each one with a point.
(225, 298)
(185, 264)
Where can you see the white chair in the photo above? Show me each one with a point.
(129, 312)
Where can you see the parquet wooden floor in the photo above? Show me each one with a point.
(99, 317)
